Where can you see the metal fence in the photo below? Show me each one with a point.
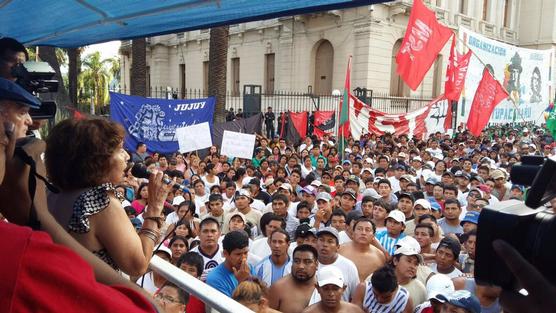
(283, 101)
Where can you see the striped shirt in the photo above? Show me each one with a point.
(387, 242)
(269, 272)
(397, 305)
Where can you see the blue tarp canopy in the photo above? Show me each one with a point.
(74, 23)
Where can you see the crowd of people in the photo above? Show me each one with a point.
(366, 229)
(387, 225)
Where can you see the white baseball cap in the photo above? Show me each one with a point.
(409, 246)
(439, 284)
(164, 249)
(316, 183)
(177, 200)
(286, 186)
(397, 215)
(424, 203)
(330, 275)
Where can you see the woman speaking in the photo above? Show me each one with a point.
(85, 159)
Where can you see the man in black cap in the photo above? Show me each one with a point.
(348, 200)
(305, 234)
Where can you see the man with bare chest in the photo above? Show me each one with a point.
(292, 293)
(361, 251)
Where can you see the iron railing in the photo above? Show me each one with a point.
(283, 101)
(208, 295)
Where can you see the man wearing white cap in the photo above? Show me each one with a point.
(420, 208)
(395, 225)
(406, 261)
(327, 246)
(330, 286)
(243, 202)
(437, 285)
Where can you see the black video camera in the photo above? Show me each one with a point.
(38, 78)
(529, 227)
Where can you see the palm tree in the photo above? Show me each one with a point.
(54, 57)
(138, 73)
(95, 78)
(218, 60)
(74, 68)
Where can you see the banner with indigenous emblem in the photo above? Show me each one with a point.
(154, 121)
(524, 73)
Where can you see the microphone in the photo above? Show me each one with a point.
(140, 171)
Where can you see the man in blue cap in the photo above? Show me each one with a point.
(15, 103)
(460, 301)
(470, 221)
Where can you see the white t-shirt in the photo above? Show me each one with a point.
(395, 183)
(211, 261)
(453, 274)
(344, 237)
(351, 275)
(208, 184)
(261, 249)
(148, 282)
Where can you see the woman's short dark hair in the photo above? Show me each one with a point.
(86, 161)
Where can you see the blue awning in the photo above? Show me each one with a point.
(67, 23)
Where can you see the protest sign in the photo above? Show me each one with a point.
(194, 137)
(238, 145)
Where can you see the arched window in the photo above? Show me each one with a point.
(324, 65)
(397, 86)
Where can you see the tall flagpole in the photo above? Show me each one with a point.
(343, 114)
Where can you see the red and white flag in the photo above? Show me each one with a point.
(423, 40)
(421, 122)
(456, 72)
(488, 95)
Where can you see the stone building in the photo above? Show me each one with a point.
(311, 51)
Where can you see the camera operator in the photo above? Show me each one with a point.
(12, 54)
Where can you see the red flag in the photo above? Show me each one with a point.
(488, 95)
(456, 72)
(297, 127)
(324, 123)
(423, 40)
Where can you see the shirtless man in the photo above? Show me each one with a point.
(291, 294)
(363, 249)
(331, 288)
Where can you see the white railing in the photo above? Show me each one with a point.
(210, 296)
